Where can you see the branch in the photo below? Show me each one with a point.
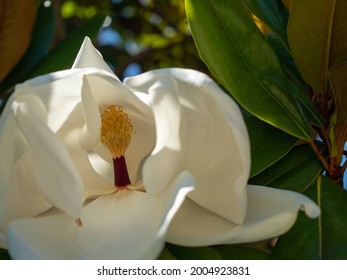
(320, 156)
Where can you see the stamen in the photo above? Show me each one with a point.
(79, 222)
(116, 130)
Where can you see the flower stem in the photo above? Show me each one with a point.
(121, 175)
(320, 156)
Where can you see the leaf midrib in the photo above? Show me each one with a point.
(253, 73)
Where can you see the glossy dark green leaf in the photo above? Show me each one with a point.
(317, 35)
(41, 41)
(301, 242)
(193, 253)
(332, 199)
(296, 171)
(297, 82)
(273, 13)
(285, 57)
(244, 62)
(268, 144)
(241, 253)
(322, 238)
(63, 55)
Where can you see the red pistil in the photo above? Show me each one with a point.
(121, 175)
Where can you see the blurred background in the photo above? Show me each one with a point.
(134, 36)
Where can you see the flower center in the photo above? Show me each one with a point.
(116, 131)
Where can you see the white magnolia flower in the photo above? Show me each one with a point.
(180, 150)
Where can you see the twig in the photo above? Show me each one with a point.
(320, 156)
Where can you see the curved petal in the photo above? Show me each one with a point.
(61, 93)
(90, 133)
(89, 57)
(271, 212)
(94, 183)
(19, 194)
(125, 225)
(168, 156)
(212, 133)
(107, 91)
(53, 169)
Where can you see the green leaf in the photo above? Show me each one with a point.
(297, 82)
(332, 200)
(241, 58)
(301, 242)
(296, 171)
(166, 255)
(273, 13)
(338, 81)
(229, 252)
(42, 37)
(63, 55)
(4, 255)
(322, 238)
(287, 4)
(268, 144)
(193, 253)
(285, 57)
(317, 35)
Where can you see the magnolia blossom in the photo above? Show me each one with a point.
(93, 168)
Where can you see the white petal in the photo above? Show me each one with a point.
(89, 57)
(19, 194)
(107, 91)
(90, 133)
(94, 184)
(167, 158)
(61, 94)
(271, 212)
(212, 137)
(125, 225)
(53, 169)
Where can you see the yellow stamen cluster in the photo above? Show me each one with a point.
(116, 130)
